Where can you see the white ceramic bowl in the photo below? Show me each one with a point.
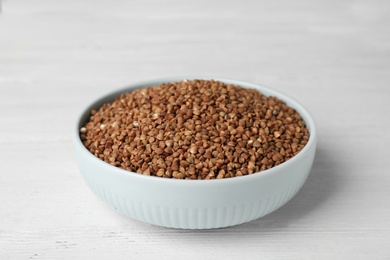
(195, 204)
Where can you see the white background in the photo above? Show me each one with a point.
(58, 56)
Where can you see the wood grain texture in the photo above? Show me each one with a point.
(57, 56)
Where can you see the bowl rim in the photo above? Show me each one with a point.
(97, 102)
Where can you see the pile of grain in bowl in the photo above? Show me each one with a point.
(195, 129)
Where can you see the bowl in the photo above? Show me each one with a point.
(195, 204)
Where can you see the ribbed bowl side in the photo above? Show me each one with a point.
(196, 218)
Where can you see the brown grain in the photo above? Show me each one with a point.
(199, 129)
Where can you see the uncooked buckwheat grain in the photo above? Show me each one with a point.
(198, 129)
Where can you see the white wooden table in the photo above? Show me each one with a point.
(57, 56)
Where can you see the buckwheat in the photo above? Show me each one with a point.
(195, 129)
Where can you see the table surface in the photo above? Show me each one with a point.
(57, 56)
